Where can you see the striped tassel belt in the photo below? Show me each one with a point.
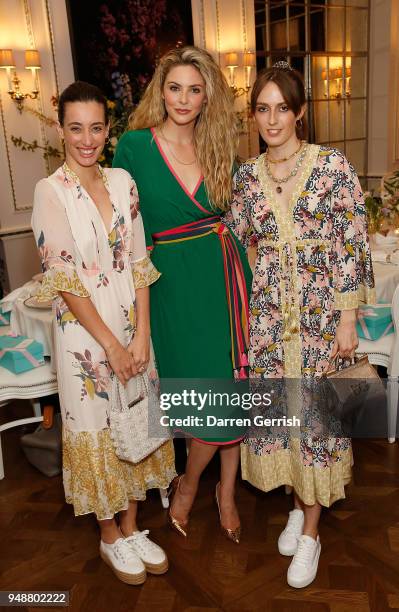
(236, 289)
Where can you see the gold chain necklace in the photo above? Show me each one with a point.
(284, 159)
(171, 151)
(293, 172)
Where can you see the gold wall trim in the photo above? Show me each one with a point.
(244, 24)
(51, 34)
(202, 24)
(28, 20)
(217, 29)
(39, 102)
(247, 95)
(3, 123)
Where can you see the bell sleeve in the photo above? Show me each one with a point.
(55, 244)
(352, 267)
(237, 217)
(143, 270)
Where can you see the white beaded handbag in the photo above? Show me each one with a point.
(135, 419)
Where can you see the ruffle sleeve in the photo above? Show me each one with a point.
(55, 245)
(60, 279)
(144, 272)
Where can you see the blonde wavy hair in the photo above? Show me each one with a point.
(215, 133)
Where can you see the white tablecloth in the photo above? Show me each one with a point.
(386, 275)
(386, 280)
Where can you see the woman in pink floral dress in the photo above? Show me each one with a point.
(301, 205)
(90, 237)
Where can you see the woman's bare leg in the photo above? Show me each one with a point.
(312, 517)
(229, 460)
(198, 458)
(127, 519)
(109, 531)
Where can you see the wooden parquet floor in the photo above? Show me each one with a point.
(43, 547)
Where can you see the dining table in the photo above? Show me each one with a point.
(385, 257)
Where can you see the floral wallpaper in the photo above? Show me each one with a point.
(117, 43)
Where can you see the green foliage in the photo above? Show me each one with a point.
(24, 145)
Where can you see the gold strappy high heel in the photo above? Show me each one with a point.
(231, 534)
(173, 522)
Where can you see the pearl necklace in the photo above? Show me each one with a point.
(293, 172)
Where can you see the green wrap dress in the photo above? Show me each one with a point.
(191, 325)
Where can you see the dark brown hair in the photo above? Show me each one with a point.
(80, 91)
(290, 83)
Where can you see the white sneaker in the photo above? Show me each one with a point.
(303, 568)
(288, 540)
(123, 561)
(152, 555)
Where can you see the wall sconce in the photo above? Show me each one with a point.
(232, 64)
(249, 61)
(32, 63)
(339, 84)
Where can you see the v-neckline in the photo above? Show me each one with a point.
(192, 194)
(284, 219)
(74, 177)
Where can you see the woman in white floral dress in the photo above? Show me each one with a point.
(90, 237)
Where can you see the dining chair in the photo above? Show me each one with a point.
(385, 352)
(30, 385)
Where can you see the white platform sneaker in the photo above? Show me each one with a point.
(152, 555)
(303, 568)
(123, 561)
(288, 540)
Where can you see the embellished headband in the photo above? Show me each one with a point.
(282, 65)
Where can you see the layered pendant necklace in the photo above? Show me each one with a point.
(169, 145)
(280, 181)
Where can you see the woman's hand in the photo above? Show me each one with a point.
(346, 339)
(139, 349)
(120, 361)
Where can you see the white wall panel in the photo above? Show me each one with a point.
(41, 25)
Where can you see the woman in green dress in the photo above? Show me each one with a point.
(180, 150)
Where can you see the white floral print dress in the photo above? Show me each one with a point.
(80, 256)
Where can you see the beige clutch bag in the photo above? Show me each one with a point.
(352, 383)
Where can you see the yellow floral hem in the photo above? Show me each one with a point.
(324, 485)
(96, 481)
(56, 280)
(144, 273)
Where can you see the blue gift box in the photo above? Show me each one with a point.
(4, 318)
(20, 354)
(374, 321)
